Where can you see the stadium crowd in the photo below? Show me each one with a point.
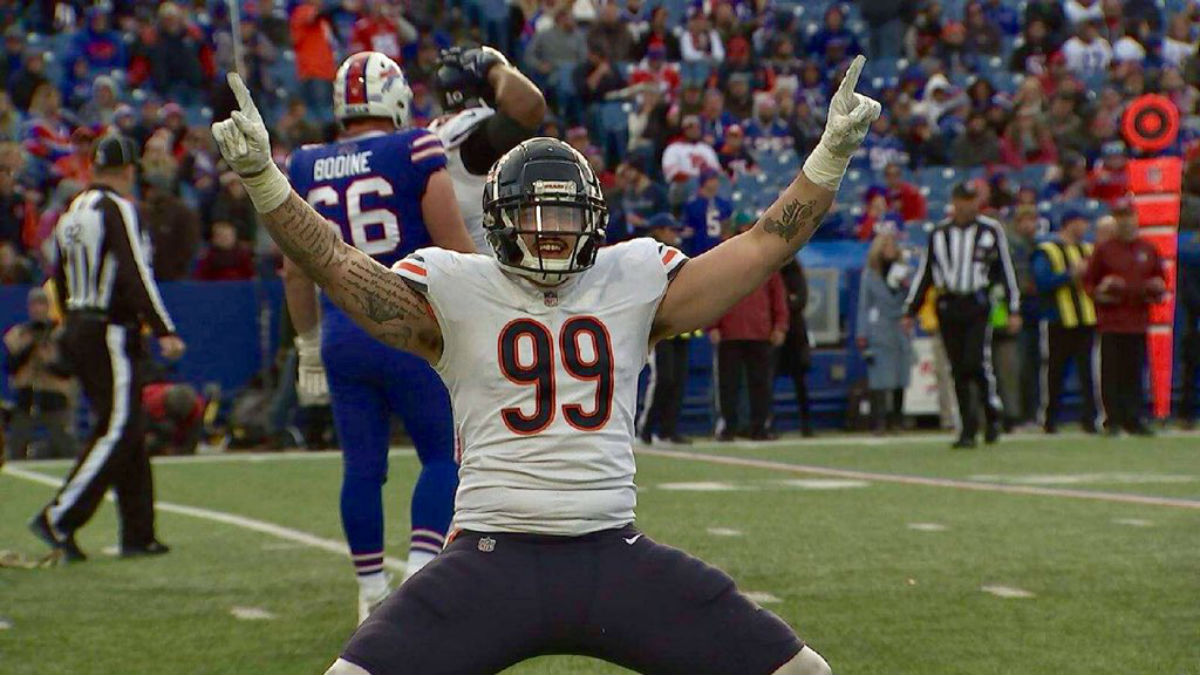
(700, 108)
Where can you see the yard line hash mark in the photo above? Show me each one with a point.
(253, 524)
(904, 479)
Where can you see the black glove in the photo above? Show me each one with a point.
(462, 76)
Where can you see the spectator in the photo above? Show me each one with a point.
(882, 341)
(655, 71)
(174, 416)
(706, 216)
(295, 128)
(173, 55)
(1031, 55)
(12, 53)
(225, 258)
(40, 385)
(833, 43)
(648, 127)
(10, 119)
(1069, 180)
(700, 42)
(158, 162)
(1106, 229)
(878, 218)
(940, 98)
(596, 77)
(1109, 181)
(101, 107)
(1069, 319)
(610, 36)
(766, 130)
(173, 229)
(559, 47)
(18, 212)
(642, 197)
(77, 166)
(783, 68)
(983, 37)
(661, 35)
(381, 28)
(806, 128)
(795, 356)
(885, 27)
(902, 195)
(100, 47)
(312, 41)
(1178, 44)
(743, 338)
(658, 422)
(735, 158)
(15, 269)
(24, 82)
(1003, 15)
(739, 99)
(1135, 45)
(714, 119)
(1017, 356)
(1124, 276)
(738, 61)
(1087, 54)
(1083, 11)
(1027, 140)
(977, 146)
(258, 55)
(689, 154)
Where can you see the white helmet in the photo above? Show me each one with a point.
(369, 84)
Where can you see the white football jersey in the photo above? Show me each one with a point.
(468, 188)
(544, 384)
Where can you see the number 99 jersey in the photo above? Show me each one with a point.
(543, 382)
(370, 187)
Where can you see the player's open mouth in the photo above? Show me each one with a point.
(549, 245)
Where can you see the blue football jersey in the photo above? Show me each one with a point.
(370, 188)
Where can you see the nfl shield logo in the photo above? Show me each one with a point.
(487, 544)
(550, 298)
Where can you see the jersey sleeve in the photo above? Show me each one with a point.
(414, 270)
(427, 154)
(672, 260)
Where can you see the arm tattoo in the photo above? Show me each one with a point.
(794, 217)
(378, 299)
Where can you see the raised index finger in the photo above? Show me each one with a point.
(241, 93)
(850, 81)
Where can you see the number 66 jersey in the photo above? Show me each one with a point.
(543, 382)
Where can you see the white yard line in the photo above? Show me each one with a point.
(1117, 497)
(233, 457)
(253, 524)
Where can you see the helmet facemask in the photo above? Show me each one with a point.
(547, 239)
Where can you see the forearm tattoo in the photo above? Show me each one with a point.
(378, 299)
(795, 217)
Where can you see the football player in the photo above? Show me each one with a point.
(541, 348)
(489, 108)
(386, 192)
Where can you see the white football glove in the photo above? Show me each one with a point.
(850, 118)
(246, 148)
(312, 388)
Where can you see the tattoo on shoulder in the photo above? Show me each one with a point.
(794, 217)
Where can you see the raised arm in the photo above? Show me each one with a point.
(377, 299)
(712, 283)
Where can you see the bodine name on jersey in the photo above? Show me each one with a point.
(329, 168)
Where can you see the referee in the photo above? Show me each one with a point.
(108, 291)
(966, 255)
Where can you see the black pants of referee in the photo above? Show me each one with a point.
(752, 357)
(664, 390)
(967, 336)
(107, 360)
(1061, 348)
(1122, 365)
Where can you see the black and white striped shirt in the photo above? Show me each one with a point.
(965, 260)
(102, 264)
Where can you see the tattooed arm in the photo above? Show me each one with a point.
(708, 285)
(712, 283)
(376, 298)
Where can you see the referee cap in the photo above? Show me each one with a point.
(965, 190)
(114, 151)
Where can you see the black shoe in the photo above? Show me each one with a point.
(646, 439)
(963, 443)
(1140, 429)
(1112, 432)
(678, 440)
(1089, 428)
(1049, 429)
(807, 432)
(725, 437)
(991, 434)
(155, 547)
(41, 528)
(764, 436)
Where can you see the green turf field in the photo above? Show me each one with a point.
(880, 572)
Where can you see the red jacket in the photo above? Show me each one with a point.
(1136, 263)
(757, 314)
(235, 264)
(312, 40)
(907, 199)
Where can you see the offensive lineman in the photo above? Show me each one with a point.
(386, 189)
(490, 107)
(541, 348)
